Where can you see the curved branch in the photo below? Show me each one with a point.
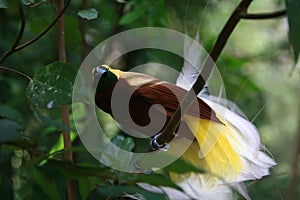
(45, 31)
(16, 48)
(245, 15)
(18, 72)
(239, 13)
(168, 132)
(18, 38)
(23, 22)
(33, 5)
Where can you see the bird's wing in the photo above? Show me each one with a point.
(155, 91)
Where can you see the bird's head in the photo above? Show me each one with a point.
(105, 77)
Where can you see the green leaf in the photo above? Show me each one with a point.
(10, 113)
(50, 121)
(131, 17)
(233, 63)
(5, 90)
(6, 188)
(72, 32)
(46, 183)
(153, 179)
(6, 152)
(9, 130)
(3, 4)
(76, 171)
(88, 184)
(293, 12)
(124, 143)
(27, 2)
(88, 14)
(52, 85)
(37, 25)
(181, 166)
(123, 191)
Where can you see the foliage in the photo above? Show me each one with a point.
(91, 13)
(31, 154)
(52, 85)
(293, 7)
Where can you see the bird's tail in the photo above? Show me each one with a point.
(230, 153)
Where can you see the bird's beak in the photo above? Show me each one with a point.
(98, 72)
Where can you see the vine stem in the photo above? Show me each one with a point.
(19, 36)
(14, 48)
(271, 15)
(46, 29)
(168, 132)
(16, 71)
(71, 191)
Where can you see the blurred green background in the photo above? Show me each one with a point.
(257, 67)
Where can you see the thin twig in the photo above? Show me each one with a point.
(168, 132)
(18, 48)
(23, 22)
(45, 31)
(21, 73)
(272, 15)
(33, 5)
(18, 38)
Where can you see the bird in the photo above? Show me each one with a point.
(226, 145)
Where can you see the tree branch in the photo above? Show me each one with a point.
(33, 5)
(71, 191)
(18, 72)
(45, 31)
(245, 15)
(16, 48)
(168, 132)
(239, 13)
(18, 38)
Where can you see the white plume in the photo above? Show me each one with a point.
(192, 60)
(245, 140)
(256, 162)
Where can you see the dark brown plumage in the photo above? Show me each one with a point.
(151, 93)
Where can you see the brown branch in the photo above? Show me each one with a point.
(245, 15)
(22, 46)
(46, 29)
(33, 5)
(60, 27)
(18, 72)
(239, 13)
(71, 189)
(18, 38)
(168, 132)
